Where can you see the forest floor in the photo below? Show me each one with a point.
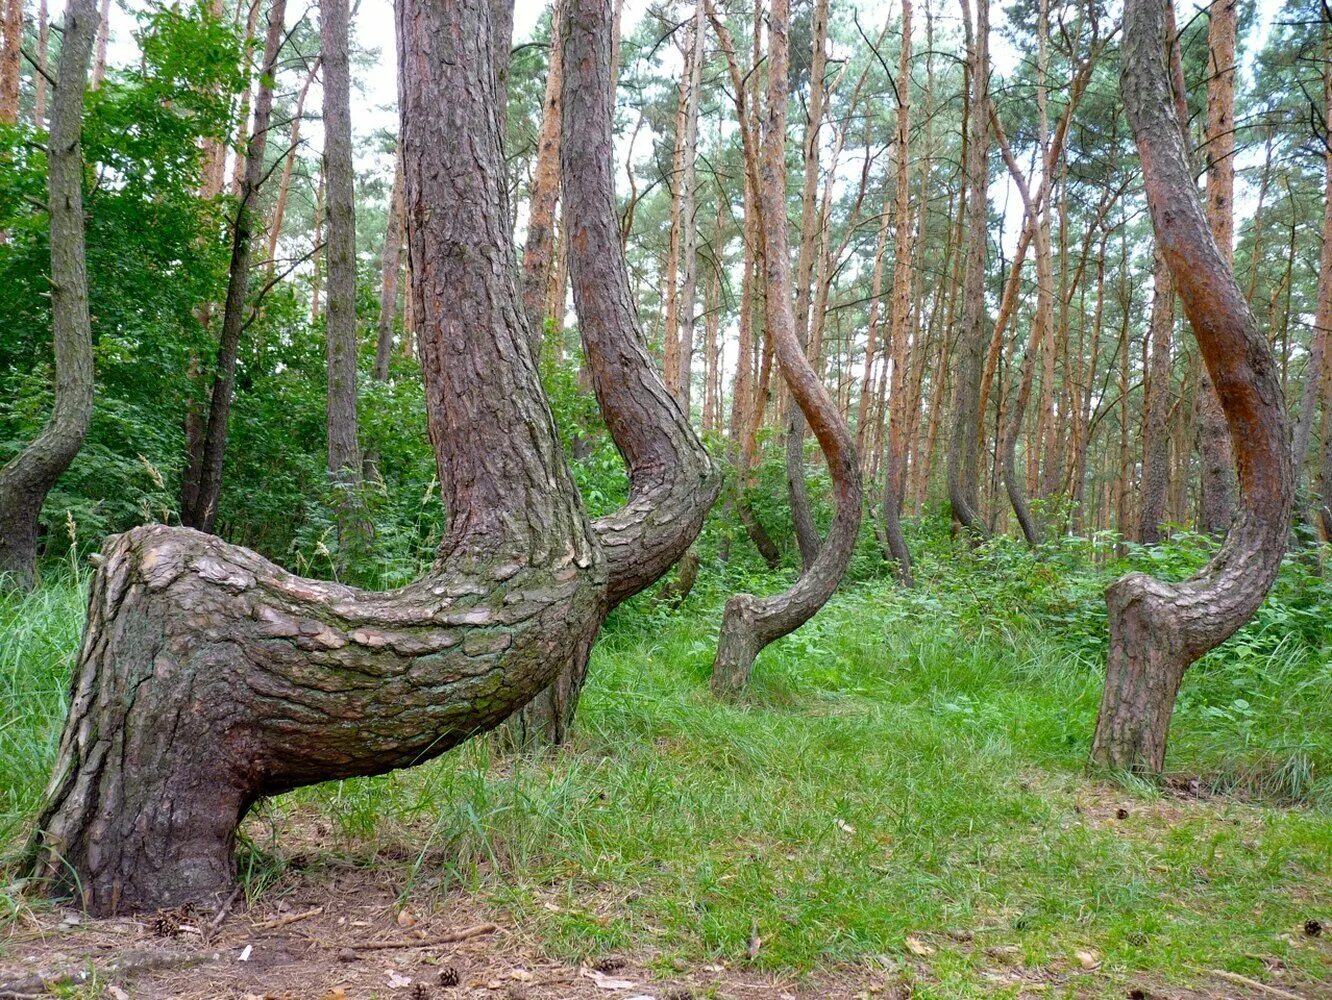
(898, 807)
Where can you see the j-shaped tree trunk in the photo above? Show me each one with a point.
(28, 477)
(750, 623)
(209, 677)
(672, 481)
(1157, 629)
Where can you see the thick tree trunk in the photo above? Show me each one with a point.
(1156, 629)
(209, 677)
(749, 623)
(1217, 508)
(964, 446)
(672, 481)
(344, 449)
(1156, 435)
(202, 486)
(28, 477)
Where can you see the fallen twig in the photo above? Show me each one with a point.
(288, 918)
(221, 916)
(453, 937)
(37, 986)
(1254, 984)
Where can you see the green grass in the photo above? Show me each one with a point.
(908, 764)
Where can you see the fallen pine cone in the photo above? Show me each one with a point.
(449, 977)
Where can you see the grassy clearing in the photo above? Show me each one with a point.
(908, 765)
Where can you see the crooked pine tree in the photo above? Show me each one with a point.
(1158, 629)
(209, 677)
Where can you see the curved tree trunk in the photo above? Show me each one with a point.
(672, 481)
(750, 623)
(964, 447)
(28, 477)
(1156, 629)
(209, 677)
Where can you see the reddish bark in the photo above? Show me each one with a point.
(1157, 629)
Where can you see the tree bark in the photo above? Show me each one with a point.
(688, 182)
(749, 623)
(896, 455)
(1156, 435)
(209, 677)
(1217, 508)
(802, 517)
(539, 251)
(43, 61)
(672, 481)
(289, 166)
(10, 63)
(29, 476)
(103, 37)
(344, 449)
(1316, 382)
(963, 451)
(202, 486)
(1156, 629)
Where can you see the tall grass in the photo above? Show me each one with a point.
(909, 763)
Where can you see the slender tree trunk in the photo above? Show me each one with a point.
(289, 167)
(749, 623)
(43, 63)
(865, 407)
(103, 37)
(896, 456)
(344, 449)
(10, 63)
(802, 517)
(1218, 464)
(539, 251)
(200, 495)
(1317, 383)
(318, 235)
(1156, 435)
(964, 446)
(247, 95)
(1156, 629)
(688, 182)
(29, 476)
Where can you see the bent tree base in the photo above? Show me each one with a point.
(1146, 664)
(209, 677)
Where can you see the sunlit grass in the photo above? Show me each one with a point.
(907, 765)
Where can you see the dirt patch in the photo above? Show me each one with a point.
(348, 937)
